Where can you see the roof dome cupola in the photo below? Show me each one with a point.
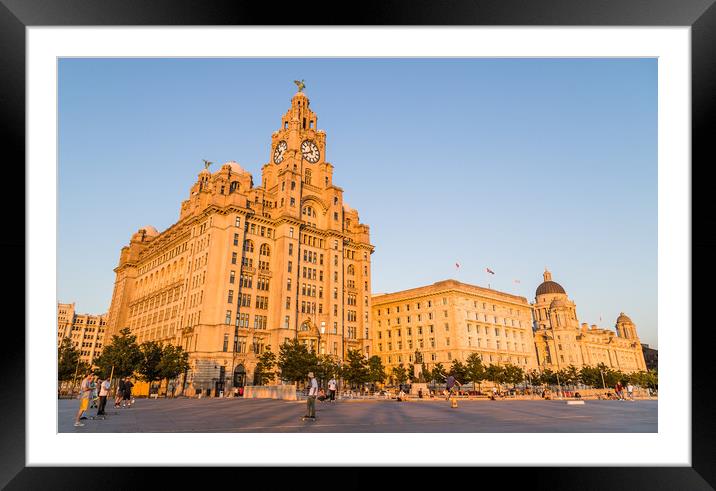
(548, 286)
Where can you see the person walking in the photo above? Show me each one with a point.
(332, 385)
(93, 394)
(630, 391)
(312, 393)
(85, 393)
(103, 393)
(127, 397)
(119, 394)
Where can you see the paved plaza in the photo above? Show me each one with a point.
(368, 416)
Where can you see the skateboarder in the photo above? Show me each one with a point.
(311, 401)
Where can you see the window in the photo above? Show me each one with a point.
(233, 257)
(226, 342)
(248, 246)
(236, 238)
(232, 276)
(264, 250)
(227, 320)
(290, 248)
(231, 296)
(293, 202)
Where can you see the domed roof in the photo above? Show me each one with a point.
(549, 286)
(623, 318)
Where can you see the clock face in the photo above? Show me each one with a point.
(279, 151)
(310, 152)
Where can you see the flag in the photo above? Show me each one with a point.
(457, 265)
(489, 271)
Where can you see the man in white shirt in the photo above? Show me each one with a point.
(312, 393)
(103, 393)
(332, 385)
(630, 391)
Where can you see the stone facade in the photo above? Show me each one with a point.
(448, 321)
(87, 331)
(246, 267)
(561, 341)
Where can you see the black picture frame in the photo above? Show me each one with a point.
(700, 15)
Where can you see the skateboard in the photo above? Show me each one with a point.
(304, 418)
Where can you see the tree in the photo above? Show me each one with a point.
(571, 375)
(474, 369)
(174, 362)
(438, 373)
(148, 368)
(122, 353)
(295, 360)
(67, 360)
(459, 371)
(376, 370)
(327, 367)
(513, 374)
(590, 376)
(411, 373)
(400, 374)
(265, 372)
(355, 369)
(495, 374)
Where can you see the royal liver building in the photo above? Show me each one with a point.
(246, 267)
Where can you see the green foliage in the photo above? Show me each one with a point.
(265, 372)
(513, 374)
(148, 368)
(474, 369)
(495, 373)
(411, 373)
(438, 373)
(327, 367)
(459, 371)
(376, 370)
(122, 353)
(295, 360)
(400, 374)
(590, 376)
(67, 359)
(355, 369)
(570, 375)
(174, 362)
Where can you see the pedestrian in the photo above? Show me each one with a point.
(312, 393)
(103, 393)
(119, 394)
(332, 386)
(128, 392)
(93, 392)
(84, 396)
(630, 391)
(619, 388)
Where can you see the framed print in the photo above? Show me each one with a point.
(453, 233)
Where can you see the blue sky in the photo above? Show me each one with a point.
(511, 164)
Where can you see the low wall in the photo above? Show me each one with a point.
(285, 392)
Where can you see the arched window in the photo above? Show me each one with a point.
(308, 211)
(248, 246)
(264, 250)
(351, 270)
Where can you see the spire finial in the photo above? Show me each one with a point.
(300, 84)
(547, 275)
(207, 164)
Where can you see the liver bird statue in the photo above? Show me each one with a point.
(300, 84)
